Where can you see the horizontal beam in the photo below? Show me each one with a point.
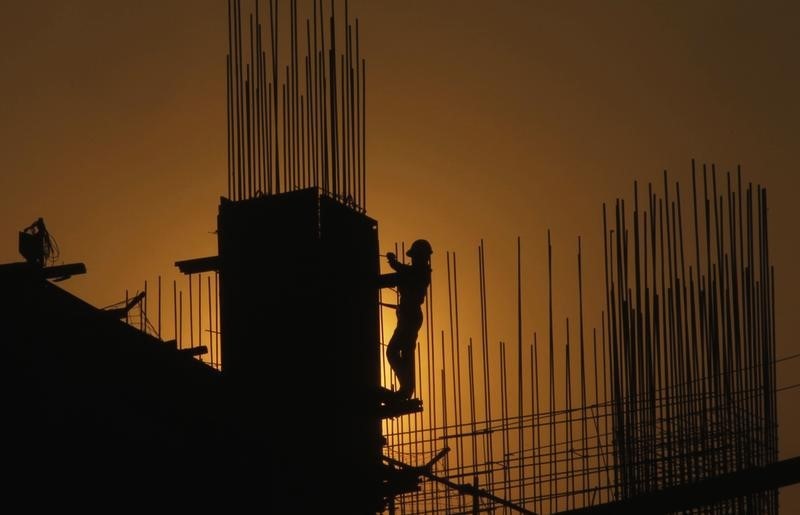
(704, 492)
(194, 351)
(198, 265)
(61, 272)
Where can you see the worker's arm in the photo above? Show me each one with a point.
(393, 279)
(388, 280)
(396, 265)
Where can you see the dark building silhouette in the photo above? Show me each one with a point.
(89, 397)
(294, 418)
(299, 308)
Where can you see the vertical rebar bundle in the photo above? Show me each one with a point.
(201, 319)
(691, 338)
(303, 125)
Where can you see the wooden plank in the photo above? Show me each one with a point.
(198, 265)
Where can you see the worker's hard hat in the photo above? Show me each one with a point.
(420, 248)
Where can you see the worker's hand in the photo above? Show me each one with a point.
(391, 257)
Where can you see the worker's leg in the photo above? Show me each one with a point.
(400, 354)
(400, 351)
(393, 353)
(406, 373)
(411, 323)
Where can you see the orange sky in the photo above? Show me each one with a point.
(485, 120)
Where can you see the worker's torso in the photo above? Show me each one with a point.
(413, 286)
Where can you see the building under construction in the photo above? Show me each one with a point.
(668, 406)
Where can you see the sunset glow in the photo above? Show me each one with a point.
(484, 122)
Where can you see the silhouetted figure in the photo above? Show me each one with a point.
(412, 284)
(36, 244)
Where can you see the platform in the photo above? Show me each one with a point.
(392, 405)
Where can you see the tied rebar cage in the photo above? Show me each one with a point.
(302, 125)
(528, 422)
(677, 385)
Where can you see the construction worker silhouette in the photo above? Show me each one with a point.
(412, 284)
